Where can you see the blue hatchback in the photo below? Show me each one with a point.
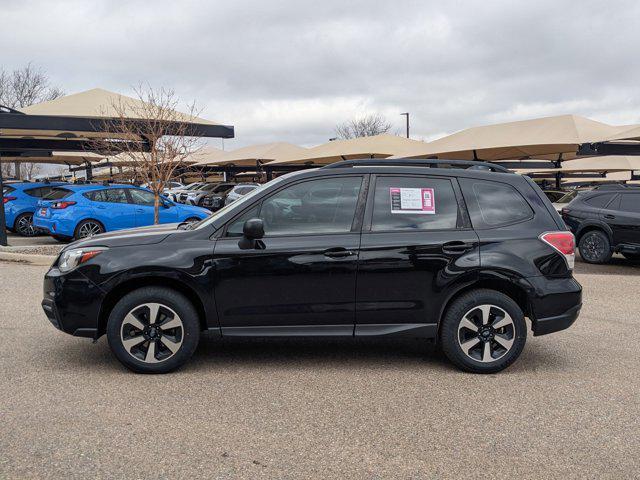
(20, 203)
(78, 211)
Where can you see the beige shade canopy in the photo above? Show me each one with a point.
(205, 155)
(66, 115)
(378, 146)
(267, 152)
(537, 138)
(609, 163)
(58, 158)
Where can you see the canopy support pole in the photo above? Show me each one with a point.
(3, 225)
(558, 164)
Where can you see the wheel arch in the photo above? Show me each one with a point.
(594, 225)
(135, 283)
(509, 287)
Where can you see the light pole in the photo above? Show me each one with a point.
(406, 114)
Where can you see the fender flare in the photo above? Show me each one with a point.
(592, 224)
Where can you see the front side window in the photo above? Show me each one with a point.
(142, 197)
(493, 204)
(315, 207)
(414, 203)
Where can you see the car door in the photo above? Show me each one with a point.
(627, 219)
(144, 202)
(416, 242)
(111, 207)
(302, 278)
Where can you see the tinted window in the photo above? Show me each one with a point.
(599, 201)
(630, 202)
(112, 195)
(318, 206)
(38, 192)
(492, 204)
(142, 197)
(243, 190)
(57, 193)
(414, 203)
(7, 189)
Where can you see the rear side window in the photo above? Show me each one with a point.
(414, 203)
(115, 195)
(630, 203)
(57, 193)
(493, 204)
(599, 201)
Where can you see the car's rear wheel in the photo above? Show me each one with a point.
(483, 331)
(23, 225)
(153, 330)
(595, 247)
(88, 228)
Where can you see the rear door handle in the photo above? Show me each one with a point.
(609, 216)
(456, 247)
(338, 252)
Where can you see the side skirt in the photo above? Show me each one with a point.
(415, 330)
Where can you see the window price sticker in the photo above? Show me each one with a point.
(413, 200)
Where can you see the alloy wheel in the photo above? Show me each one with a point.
(592, 247)
(486, 333)
(25, 226)
(152, 333)
(89, 229)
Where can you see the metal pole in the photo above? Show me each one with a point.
(3, 225)
(406, 114)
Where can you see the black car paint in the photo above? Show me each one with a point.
(388, 283)
(621, 227)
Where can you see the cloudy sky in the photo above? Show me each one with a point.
(290, 70)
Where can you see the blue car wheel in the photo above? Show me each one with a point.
(23, 225)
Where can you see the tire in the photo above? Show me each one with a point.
(153, 350)
(595, 247)
(23, 225)
(505, 343)
(88, 228)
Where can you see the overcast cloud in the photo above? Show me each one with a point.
(290, 70)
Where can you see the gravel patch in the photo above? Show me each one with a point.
(34, 250)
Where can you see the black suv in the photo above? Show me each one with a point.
(355, 249)
(604, 221)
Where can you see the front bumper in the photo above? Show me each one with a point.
(72, 302)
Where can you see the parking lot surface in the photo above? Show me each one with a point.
(568, 408)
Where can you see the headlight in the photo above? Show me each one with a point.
(70, 259)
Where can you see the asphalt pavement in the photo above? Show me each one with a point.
(569, 408)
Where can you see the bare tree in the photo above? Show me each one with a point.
(31, 170)
(168, 134)
(23, 87)
(26, 86)
(367, 126)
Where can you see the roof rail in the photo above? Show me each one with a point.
(412, 162)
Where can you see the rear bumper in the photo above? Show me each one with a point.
(54, 226)
(554, 303)
(542, 326)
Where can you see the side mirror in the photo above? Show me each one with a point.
(253, 229)
(165, 203)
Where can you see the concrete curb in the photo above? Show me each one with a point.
(33, 259)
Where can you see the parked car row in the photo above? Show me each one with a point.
(67, 211)
(211, 196)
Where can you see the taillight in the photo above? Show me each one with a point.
(7, 199)
(564, 243)
(61, 205)
(564, 211)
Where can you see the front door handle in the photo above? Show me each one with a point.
(456, 247)
(338, 252)
(608, 216)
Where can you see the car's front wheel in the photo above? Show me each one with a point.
(483, 331)
(595, 247)
(153, 330)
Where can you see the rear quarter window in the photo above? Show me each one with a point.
(599, 201)
(7, 189)
(57, 194)
(494, 204)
